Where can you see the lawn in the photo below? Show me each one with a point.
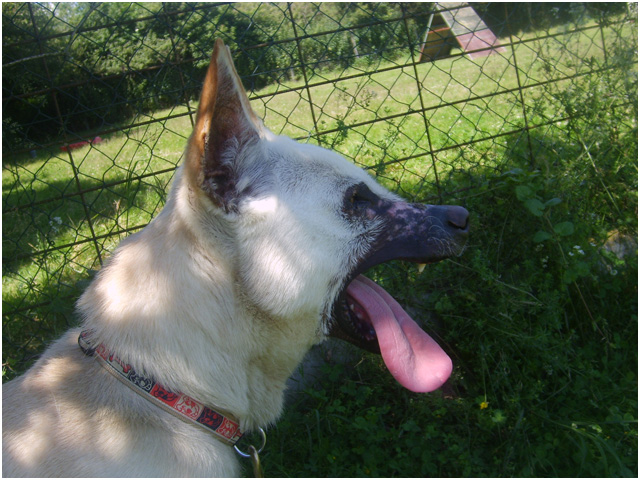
(539, 314)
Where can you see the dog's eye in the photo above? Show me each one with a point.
(360, 197)
(358, 201)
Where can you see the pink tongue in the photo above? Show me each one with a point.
(414, 359)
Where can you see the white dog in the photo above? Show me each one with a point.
(193, 327)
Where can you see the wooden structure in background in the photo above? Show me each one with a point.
(457, 21)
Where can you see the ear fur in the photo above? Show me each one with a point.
(225, 123)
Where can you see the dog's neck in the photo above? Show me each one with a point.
(221, 424)
(168, 304)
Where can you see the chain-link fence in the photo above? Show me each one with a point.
(99, 99)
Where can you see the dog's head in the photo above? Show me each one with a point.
(306, 223)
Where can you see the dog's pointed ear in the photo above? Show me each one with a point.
(225, 123)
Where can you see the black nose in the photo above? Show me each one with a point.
(458, 217)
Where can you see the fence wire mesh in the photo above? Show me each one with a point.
(99, 99)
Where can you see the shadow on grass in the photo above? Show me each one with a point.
(48, 254)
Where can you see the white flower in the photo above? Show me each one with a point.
(56, 220)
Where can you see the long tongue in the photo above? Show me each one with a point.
(414, 359)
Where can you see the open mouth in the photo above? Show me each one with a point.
(367, 316)
(372, 319)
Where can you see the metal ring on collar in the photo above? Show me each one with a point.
(264, 442)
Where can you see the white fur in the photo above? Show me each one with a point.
(220, 305)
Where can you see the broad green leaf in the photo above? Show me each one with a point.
(564, 229)
(535, 206)
(541, 236)
(523, 192)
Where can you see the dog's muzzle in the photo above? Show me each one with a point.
(367, 316)
(420, 233)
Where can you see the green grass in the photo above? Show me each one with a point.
(539, 319)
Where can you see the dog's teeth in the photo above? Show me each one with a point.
(351, 307)
(421, 267)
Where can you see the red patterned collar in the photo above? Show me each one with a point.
(224, 426)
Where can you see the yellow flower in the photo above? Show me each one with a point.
(484, 405)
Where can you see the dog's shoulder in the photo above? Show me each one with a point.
(69, 414)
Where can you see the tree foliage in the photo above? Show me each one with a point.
(87, 61)
(73, 68)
